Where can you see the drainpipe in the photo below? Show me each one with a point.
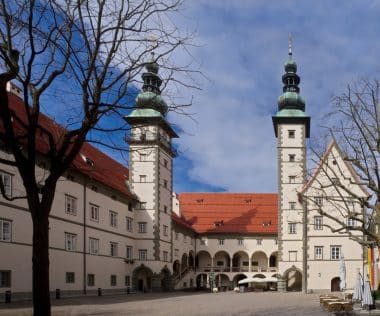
(304, 248)
(84, 240)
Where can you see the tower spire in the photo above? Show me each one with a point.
(290, 44)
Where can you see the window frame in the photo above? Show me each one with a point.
(165, 256)
(113, 280)
(73, 241)
(165, 230)
(292, 228)
(333, 254)
(143, 254)
(291, 133)
(318, 256)
(318, 226)
(2, 234)
(7, 187)
(90, 276)
(292, 205)
(92, 208)
(220, 241)
(74, 204)
(142, 227)
(114, 249)
(70, 277)
(292, 157)
(113, 218)
(129, 224)
(129, 252)
(7, 281)
(93, 242)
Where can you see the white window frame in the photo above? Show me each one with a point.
(71, 204)
(5, 233)
(94, 246)
(129, 252)
(70, 242)
(318, 252)
(142, 227)
(129, 224)
(94, 212)
(165, 255)
(113, 219)
(318, 222)
(318, 200)
(7, 182)
(335, 252)
(142, 178)
(113, 249)
(292, 228)
(351, 222)
(143, 254)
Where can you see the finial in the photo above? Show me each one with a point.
(290, 44)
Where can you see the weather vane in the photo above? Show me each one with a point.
(290, 43)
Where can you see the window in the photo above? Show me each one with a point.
(318, 200)
(292, 255)
(129, 252)
(143, 157)
(165, 209)
(113, 219)
(127, 280)
(90, 279)
(142, 227)
(220, 263)
(113, 249)
(165, 230)
(292, 205)
(335, 181)
(130, 207)
(318, 252)
(221, 242)
(113, 280)
(291, 133)
(176, 252)
(165, 183)
(70, 204)
(94, 246)
(203, 242)
(165, 163)
(165, 255)
(7, 182)
(240, 242)
(259, 241)
(129, 224)
(292, 228)
(94, 212)
(351, 222)
(318, 223)
(292, 158)
(5, 278)
(5, 230)
(176, 235)
(335, 252)
(70, 277)
(292, 179)
(142, 178)
(71, 242)
(141, 205)
(142, 254)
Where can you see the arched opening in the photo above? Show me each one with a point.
(259, 262)
(222, 262)
(293, 279)
(201, 281)
(222, 282)
(142, 279)
(203, 261)
(184, 263)
(166, 284)
(240, 262)
(273, 262)
(191, 259)
(176, 267)
(335, 284)
(237, 278)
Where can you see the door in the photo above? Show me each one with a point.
(335, 284)
(141, 285)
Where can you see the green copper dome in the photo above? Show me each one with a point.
(291, 100)
(149, 99)
(290, 65)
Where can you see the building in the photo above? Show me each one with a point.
(114, 228)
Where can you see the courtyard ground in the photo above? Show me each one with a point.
(181, 304)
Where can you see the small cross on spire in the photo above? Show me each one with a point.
(290, 44)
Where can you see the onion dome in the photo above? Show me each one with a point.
(150, 97)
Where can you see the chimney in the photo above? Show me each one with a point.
(12, 88)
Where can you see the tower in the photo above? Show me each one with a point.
(150, 167)
(291, 127)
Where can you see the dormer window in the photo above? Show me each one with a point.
(199, 201)
(218, 223)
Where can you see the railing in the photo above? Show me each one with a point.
(235, 269)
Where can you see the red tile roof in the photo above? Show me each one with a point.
(104, 169)
(254, 213)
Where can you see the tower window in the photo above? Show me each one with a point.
(292, 205)
(165, 163)
(292, 228)
(291, 133)
(292, 179)
(292, 158)
(142, 178)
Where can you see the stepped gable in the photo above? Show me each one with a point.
(91, 161)
(252, 213)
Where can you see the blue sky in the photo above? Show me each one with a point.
(242, 46)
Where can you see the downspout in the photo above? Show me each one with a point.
(84, 240)
(304, 246)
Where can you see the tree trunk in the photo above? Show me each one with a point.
(41, 293)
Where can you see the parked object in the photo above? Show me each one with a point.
(358, 289)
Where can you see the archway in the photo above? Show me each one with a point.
(240, 262)
(176, 267)
(259, 261)
(201, 281)
(222, 281)
(335, 284)
(222, 261)
(166, 283)
(237, 278)
(191, 259)
(184, 262)
(293, 279)
(203, 261)
(142, 278)
(273, 262)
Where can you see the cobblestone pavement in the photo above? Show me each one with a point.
(182, 304)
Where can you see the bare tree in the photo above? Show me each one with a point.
(349, 179)
(97, 46)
